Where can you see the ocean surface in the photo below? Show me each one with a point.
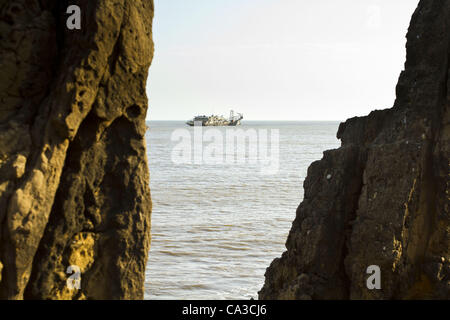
(217, 225)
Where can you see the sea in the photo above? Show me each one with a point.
(224, 199)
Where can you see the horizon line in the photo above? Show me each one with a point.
(281, 120)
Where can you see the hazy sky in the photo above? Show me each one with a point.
(276, 59)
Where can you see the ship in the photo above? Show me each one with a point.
(214, 120)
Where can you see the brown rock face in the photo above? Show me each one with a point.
(73, 167)
(382, 198)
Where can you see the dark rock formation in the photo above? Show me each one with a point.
(382, 198)
(73, 168)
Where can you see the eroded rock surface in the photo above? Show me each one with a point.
(73, 167)
(382, 198)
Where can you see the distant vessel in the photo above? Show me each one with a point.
(213, 120)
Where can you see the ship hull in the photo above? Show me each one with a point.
(231, 124)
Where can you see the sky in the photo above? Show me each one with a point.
(276, 59)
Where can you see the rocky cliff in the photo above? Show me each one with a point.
(73, 170)
(382, 198)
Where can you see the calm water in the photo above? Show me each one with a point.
(217, 227)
